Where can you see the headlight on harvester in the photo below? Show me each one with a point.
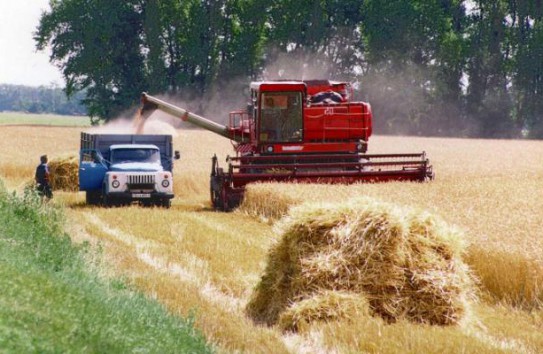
(115, 183)
(165, 183)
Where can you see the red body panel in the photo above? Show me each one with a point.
(344, 121)
(310, 148)
(327, 126)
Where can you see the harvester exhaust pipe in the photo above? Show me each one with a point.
(149, 104)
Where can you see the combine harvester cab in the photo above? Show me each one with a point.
(298, 131)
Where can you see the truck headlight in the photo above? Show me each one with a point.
(165, 183)
(115, 184)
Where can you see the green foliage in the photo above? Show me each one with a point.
(451, 67)
(526, 39)
(43, 119)
(98, 45)
(51, 301)
(40, 100)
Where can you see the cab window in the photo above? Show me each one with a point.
(281, 117)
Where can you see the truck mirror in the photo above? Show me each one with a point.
(177, 155)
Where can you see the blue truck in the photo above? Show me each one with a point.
(121, 169)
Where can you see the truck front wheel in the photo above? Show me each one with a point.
(105, 201)
(166, 203)
(93, 197)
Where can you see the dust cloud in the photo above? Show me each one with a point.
(298, 66)
(156, 124)
(405, 101)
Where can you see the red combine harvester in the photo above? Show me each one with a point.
(297, 131)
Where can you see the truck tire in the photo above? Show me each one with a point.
(93, 197)
(106, 200)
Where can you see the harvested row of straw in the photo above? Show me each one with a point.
(263, 200)
(405, 264)
(64, 173)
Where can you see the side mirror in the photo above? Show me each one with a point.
(176, 155)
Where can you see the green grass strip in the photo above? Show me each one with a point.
(20, 118)
(52, 302)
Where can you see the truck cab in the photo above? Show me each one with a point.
(121, 173)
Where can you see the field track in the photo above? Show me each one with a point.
(201, 262)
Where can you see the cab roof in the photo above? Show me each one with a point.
(278, 86)
(134, 146)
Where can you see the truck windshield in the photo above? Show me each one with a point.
(281, 117)
(135, 155)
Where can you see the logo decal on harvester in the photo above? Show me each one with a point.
(329, 111)
(292, 148)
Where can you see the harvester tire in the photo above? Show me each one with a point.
(215, 189)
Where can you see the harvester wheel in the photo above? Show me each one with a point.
(215, 199)
(225, 206)
(215, 188)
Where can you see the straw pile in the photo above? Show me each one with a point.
(403, 264)
(325, 306)
(63, 173)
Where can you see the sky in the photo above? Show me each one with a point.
(20, 62)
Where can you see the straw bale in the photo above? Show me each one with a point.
(326, 306)
(64, 173)
(406, 263)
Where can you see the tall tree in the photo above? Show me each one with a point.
(154, 29)
(527, 44)
(97, 45)
(427, 66)
(488, 100)
(413, 55)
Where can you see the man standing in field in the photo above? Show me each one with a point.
(42, 178)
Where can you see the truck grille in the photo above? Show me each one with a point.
(141, 179)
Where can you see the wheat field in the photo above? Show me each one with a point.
(206, 263)
(500, 208)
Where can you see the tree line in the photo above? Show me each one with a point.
(41, 99)
(428, 67)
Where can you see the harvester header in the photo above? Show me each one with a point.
(297, 131)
